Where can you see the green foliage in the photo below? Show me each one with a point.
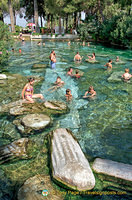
(117, 30)
(5, 42)
(36, 33)
(56, 35)
(88, 29)
(18, 28)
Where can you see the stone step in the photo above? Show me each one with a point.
(69, 165)
(113, 169)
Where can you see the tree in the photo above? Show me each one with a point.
(3, 8)
(11, 15)
(36, 15)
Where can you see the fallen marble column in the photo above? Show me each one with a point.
(113, 169)
(15, 149)
(69, 165)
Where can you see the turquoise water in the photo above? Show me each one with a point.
(103, 126)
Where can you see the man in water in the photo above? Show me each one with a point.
(77, 57)
(108, 65)
(126, 76)
(53, 59)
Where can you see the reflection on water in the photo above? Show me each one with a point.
(103, 125)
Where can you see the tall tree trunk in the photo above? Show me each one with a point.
(14, 17)
(75, 21)
(60, 25)
(66, 23)
(48, 21)
(41, 21)
(36, 15)
(11, 16)
(51, 23)
(1, 15)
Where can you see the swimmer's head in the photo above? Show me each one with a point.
(77, 52)
(31, 80)
(91, 88)
(77, 72)
(58, 78)
(127, 70)
(94, 54)
(68, 91)
(110, 60)
(70, 69)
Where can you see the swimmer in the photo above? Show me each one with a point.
(23, 39)
(13, 50)
(91, 91)
(68, 95)
(20, 51)
(126, 76)
(108, 65)
(27, 92)
(77, 57)
(43, 44)
(58, 84)
(69, 43)
(77, 75)
(83, 44)
(52, 57)
(92, 57)
(69, 73)
(39, 43)
(117, 59)
(88, 44)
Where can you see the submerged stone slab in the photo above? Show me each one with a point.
(35, 122)
(22, 107)
(39, 66)
(92, 61)
(115, 77)
(3, 76)
(13, 150)
(113, 169)
(69, 165)
(119, 63)
(33, 187)
(55, 105)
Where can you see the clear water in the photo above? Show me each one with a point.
(103, 126)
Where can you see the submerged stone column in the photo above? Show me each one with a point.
(69, 165)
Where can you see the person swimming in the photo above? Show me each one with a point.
(69, 43)
(69, 73)
(92, 57)
(27, 92)
(90, 91)
(20, 51)
(39, 43)
(117, 59)
(68, 95)
(126, 76)
(109, 64)
(77, 75)
(58, 84)
(77, 57)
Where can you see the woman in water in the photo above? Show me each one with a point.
(117, 59)
(58, 84)
(92, 57)
(126, 76)
(68, 95)
(91, 91)
(27, 92)
(69, 73)
(77, 75)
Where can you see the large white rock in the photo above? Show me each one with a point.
(69, 164)
(3, 76)
(112, 168)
